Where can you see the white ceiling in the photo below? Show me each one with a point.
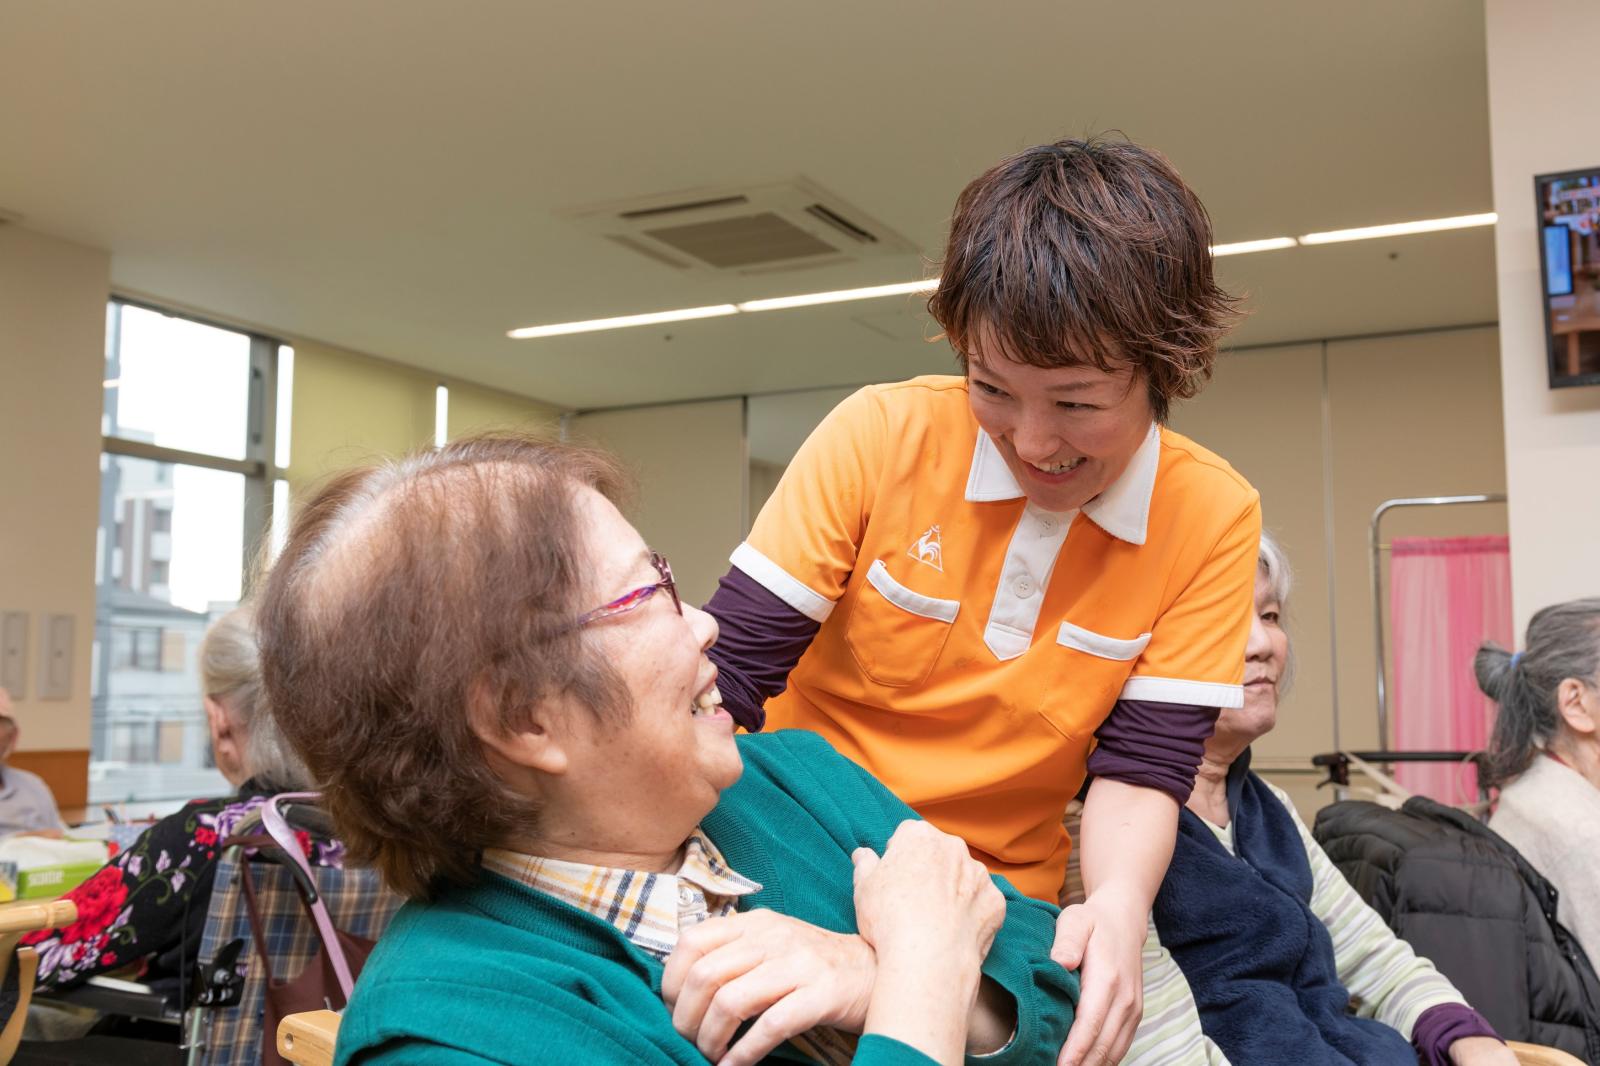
(388, 176)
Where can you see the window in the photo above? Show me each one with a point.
(186, 490)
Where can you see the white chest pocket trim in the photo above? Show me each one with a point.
(1080, 639)
(906, 600)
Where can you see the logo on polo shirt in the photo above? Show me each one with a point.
(928, 550)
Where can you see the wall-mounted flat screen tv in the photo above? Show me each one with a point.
(1569, 265)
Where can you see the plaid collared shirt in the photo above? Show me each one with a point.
(653, 909)
(650, 909)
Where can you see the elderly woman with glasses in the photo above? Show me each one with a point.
(599, 870)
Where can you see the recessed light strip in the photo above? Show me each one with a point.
(840, 295)
(1400, 229)
(683, 314)
(905, 288)
(1270, 244)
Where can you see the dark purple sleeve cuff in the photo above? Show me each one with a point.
(1154, 745)
(761, 638)
(1441, 1026)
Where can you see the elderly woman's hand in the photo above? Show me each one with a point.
(1481, 1051)
(930, 912)
(796, 976)
(926, 890)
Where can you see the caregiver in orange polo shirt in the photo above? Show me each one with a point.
(982, 587)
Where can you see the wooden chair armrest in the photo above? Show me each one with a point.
(1539, 1055)
(307, 1039)
(26, 917)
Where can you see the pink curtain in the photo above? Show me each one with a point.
(1446, 595)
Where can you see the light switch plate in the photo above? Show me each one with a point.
(55, 656)
(14, 653)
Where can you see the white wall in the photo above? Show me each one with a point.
(1541, 121)
(52, 363)
(690, 463)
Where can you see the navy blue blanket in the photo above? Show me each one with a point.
(1259, 961)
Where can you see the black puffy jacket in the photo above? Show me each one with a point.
(1467, 901)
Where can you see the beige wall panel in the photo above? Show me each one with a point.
(350, 408)
(764, 478)
(474, 408)
(690, 463)
(52, 362)
(1263, 413)
(1412, 416)
(1539, 124)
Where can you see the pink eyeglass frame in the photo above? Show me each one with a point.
(632, 600)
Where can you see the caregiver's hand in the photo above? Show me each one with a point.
(1103, 941)
(930, 912)
(796, 976)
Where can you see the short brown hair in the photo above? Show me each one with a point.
(1087, 252)
(410, 597)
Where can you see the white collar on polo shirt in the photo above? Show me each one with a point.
(1123, 509)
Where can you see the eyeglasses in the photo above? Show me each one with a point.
(632, 600)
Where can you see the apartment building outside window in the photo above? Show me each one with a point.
(186, 493)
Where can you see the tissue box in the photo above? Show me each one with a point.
(48, 882)
(41, 868)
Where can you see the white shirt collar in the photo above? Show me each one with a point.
(1123, 509)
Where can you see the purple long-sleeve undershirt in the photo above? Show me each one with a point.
(1154, 745)
(1157, 745)
(760, 640)
(1440, 1026)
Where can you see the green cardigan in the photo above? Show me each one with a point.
(499, 972)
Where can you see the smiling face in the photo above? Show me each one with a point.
(1065, 433)
(659, 769)
(1266, 657)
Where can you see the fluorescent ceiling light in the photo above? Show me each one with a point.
(111, 383)
(902, 288)
(683, 314)
(905, 288)
(1399, 229)
(1269, 244)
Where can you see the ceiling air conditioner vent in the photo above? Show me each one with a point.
(752, 230)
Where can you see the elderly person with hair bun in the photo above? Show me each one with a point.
(149, 903)
(516, 722)
(1263, 930)
(1545, 755)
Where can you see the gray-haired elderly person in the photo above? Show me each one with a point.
(1545, 755)
(1259, 946)
(149, 903)
(26, 803)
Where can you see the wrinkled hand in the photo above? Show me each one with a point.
(1104, 944)
(930, 912)
(1481, 1051)
(926, 894)
(794, 975)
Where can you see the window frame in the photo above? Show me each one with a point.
(261, 422)
(257, 467)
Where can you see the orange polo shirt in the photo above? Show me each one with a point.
(971, 643)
